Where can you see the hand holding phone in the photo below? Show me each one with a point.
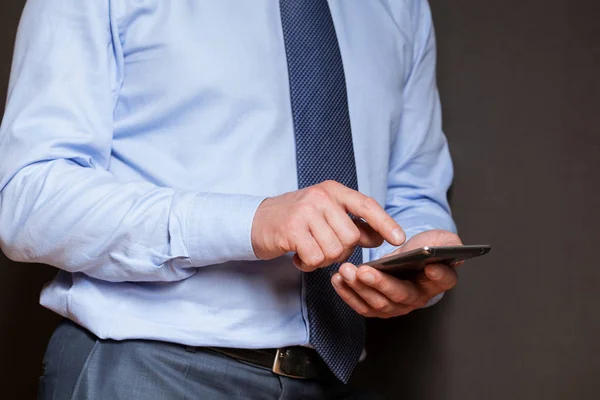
(409, 264)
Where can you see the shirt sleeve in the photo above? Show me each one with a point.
(59, 204)
(420, 171)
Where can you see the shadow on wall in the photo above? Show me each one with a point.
(402, 354)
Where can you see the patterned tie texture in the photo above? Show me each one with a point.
(324, 151)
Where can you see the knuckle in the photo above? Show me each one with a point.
(317, 192)
(400, 297)
(370, 203)
(380, 305)
(353, 236)
(364, 311)
(330, 184)
(317, 259)
(350, 237)
(380, 284)
(336, 252)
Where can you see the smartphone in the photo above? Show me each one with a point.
(408, 265)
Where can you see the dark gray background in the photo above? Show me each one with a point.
(520, 91)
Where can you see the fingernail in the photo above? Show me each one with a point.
(336, 280)
(368, 278)
(398, 236)
(348, 273)
(436, 273)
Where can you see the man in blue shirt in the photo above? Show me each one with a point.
(198, 169)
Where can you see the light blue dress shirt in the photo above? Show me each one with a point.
(140, 136)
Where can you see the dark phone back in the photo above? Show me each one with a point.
(408, 265)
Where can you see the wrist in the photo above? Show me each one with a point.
(257, 231)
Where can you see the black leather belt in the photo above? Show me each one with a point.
(295, 362)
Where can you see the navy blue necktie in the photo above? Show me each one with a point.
(324, 151)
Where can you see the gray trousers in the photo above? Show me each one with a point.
(78, 365)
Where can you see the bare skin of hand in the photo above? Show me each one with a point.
(373, 293)
(314, 223)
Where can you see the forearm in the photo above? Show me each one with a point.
(83, 220)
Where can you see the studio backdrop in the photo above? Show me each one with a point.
(519, 82)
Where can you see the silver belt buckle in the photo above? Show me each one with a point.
(280, 356)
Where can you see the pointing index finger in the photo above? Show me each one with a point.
(367, 208)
